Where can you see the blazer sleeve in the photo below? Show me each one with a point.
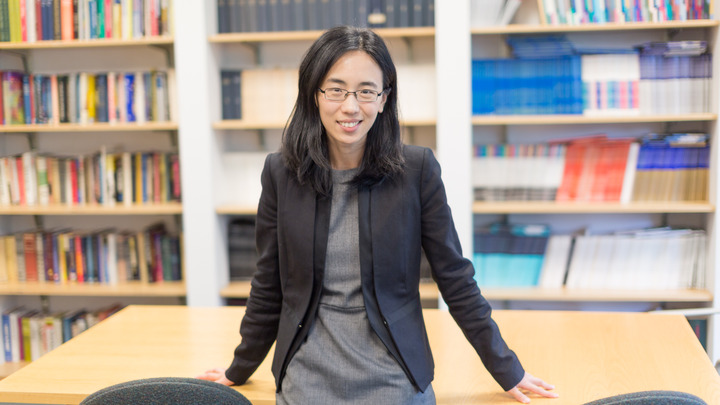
(454, 276)
(258, 329)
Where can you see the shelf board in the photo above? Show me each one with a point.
(626, 26)
(97, 127)
(237, 37)
(582, 295)
(139, 209)
(89, 43)
(236, 209)
(552, 207)
(8, 368)
(127, 289)
(551, 119)
(428, 291)
(254, 125)
(241, 289)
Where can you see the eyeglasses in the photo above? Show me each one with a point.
(362, 96)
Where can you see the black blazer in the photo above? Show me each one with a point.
(397, 218)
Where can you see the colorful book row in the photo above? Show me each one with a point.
(40, 20)
(83, 98)
(299, 15)
(105, 257)
(102, 178)
(29, 334)
(658, 167)
(574, 12)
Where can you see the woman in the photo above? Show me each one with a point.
(344, 212)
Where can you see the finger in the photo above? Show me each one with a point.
(519, 396)
(541, 383)
(539, 390)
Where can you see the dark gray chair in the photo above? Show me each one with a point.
(651, 398)
(167, 391)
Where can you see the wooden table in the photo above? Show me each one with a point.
(586, 355)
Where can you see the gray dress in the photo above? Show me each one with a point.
(343, 361)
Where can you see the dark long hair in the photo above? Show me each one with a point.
(304, 143)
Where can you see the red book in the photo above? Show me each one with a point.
(66, 20)
(23, 20)
(21, 179)
(29, 247)
(74, 181)
(575, 164)
(79, 259)
(156, 177)
(38, 19)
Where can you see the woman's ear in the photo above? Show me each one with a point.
(382, 101)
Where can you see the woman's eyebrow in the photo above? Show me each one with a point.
(343, 83)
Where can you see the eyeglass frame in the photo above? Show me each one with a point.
(354, 93)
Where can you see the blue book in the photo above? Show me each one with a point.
(130, 96)
(26, 98)
(101, 98)
(6, 338)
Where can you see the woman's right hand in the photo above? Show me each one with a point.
(217, 375)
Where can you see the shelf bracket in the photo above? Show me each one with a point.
(39, 225)
(262, 139)
(169, 54)
(173, 135)
(23, 58)
(45, 304)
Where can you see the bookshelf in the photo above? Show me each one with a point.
(202, 53)
(68, 57)
(488, 42)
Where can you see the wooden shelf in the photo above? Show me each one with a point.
(241, 289)
(428, 291)
(238, 37)
(253, 125)
(551, 207)
(127, 289)
(579, 295)
(234, 209)
(8, 368)
(97, 127)
(627, 26)
(140, 209)
(89, 43)
(562, 119)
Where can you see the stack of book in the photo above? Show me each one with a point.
(649, 259)
(103, 178)
(517, 172)
(644, 259)
(83, 98)
(656, 167)
(509, 255)
(527, 86)
(106, 257)
(29, 334)
(39, 20)
(675, 77)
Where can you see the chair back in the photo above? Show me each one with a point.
(167, 391)
(651, 398)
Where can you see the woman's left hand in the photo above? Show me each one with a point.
(531, 384)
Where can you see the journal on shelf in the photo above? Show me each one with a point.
(295, 15)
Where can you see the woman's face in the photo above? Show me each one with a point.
(347, 122)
